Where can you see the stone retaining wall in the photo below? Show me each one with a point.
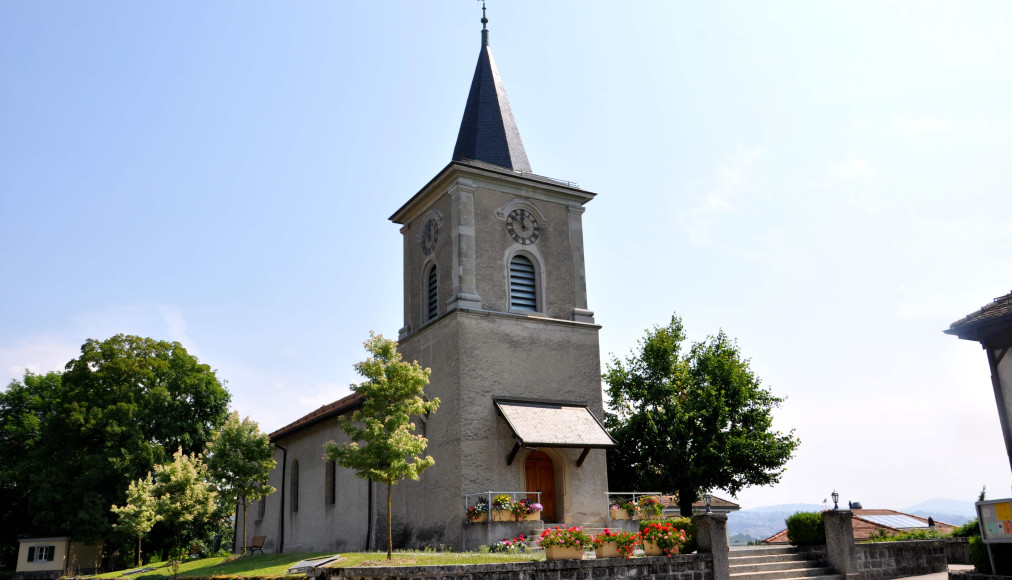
(685, 567)
(957, 550)
(880, 560)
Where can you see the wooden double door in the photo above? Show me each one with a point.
(539, 472)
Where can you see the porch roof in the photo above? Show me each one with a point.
(553, 424)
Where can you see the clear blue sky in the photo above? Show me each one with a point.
(827, 182)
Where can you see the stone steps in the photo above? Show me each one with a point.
(781, 563)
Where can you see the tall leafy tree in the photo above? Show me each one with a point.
(184, 497)
(239, 460)
(25, 406)
(138, 515)
(384, 446)
(123, 406)
(691, 421)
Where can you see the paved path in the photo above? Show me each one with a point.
(940, 575)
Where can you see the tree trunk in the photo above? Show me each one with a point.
(138, 551)
(390, 529)
(685, 499)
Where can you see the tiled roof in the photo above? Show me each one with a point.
(778, 538)
(998, 312)
(325, 412)
(541, 424)
(864, 529)
(487, 131)
(671, 501)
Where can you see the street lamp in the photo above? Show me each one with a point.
(836, 500)
(706, 500)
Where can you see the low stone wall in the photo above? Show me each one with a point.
(685, 567)
(880, 560)
(957, 550)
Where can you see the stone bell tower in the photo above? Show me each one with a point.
(495, 303)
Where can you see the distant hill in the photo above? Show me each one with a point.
(944, 506)
(788, 508)
(762, 522)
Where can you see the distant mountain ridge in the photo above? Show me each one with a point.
(764, 521)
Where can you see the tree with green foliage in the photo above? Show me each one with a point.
(384, 445)
(123, 406)
(24, 408)
(240, 459)
(138, 515)
(691, 421)
(184, 496)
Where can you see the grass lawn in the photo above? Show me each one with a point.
(263, 565)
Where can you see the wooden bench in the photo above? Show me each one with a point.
(257, 545)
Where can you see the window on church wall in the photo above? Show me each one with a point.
(330, 483)
(523, 285)
(261, 508)
(432, 303)
(294, 501)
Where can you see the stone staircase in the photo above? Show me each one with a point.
(780, 563)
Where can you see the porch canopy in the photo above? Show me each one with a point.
(538, 423)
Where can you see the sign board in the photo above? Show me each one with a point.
(995, 517)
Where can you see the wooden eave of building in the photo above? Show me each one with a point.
(338, 407)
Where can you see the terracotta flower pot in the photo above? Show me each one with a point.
(652, 549)
(481, 518)
(619, 514)
(563, 553)
(502, 516)
(609, 550)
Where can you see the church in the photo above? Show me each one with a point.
(495, 304)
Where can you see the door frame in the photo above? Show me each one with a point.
(561, 480)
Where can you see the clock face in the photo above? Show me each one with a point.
(523, 226)
(430, 233)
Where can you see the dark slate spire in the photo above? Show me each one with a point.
(488, 132)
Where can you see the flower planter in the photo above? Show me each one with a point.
(531, 517)
(619, 514)
(502, 516)
(609, 550)
(481, 518)
(652, 549)
(563, 553)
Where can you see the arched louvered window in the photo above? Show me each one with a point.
(330, 483)
(294, 502)
(433, 295)
(523, 291)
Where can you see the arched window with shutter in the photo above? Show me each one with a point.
(432, 295)
(523, 284)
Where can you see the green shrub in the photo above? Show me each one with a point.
(967, 530)
(806, 529)
(883, 536)
(682, 523)
(978, 555)
(686, 524)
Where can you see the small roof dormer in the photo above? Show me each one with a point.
(487, 131)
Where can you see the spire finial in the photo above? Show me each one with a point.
(484, 29)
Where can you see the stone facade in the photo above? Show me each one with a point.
(488, 332)
(881, 560)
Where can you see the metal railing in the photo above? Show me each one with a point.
(632, 495)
